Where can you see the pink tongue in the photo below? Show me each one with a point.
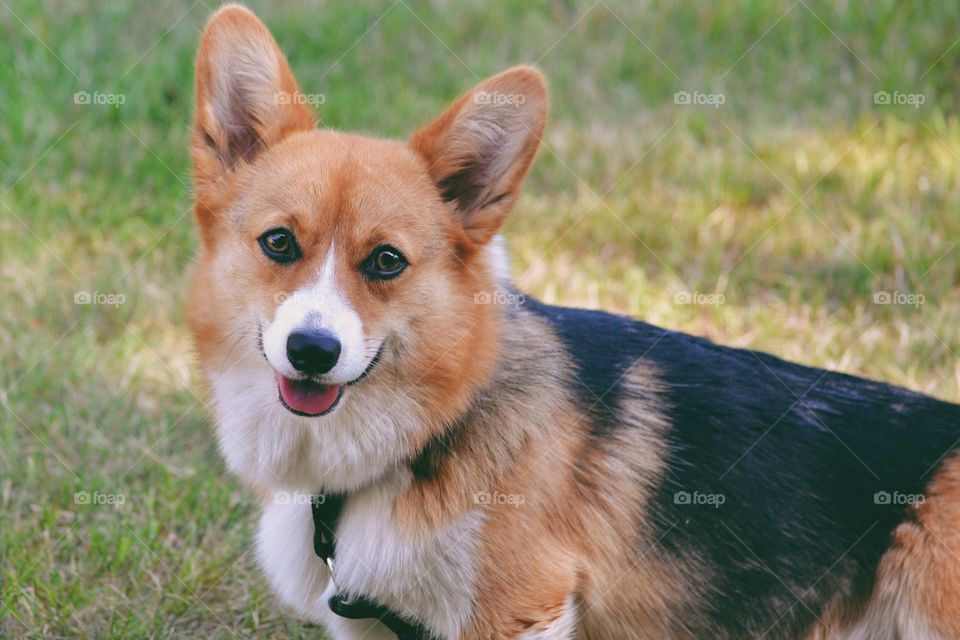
(305, 396)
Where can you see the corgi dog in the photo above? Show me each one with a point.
(443, 457)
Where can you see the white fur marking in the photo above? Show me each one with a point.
(319, 306)
(298, 577)
(499, 259)
(430, 579)
(268, 446)
(891, 618)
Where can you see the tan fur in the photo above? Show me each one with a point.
(922, 560)
(917, 589)
(926, 551)
(522, 586)
(630, 587)
(579, 497)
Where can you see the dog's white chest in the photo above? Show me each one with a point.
(429, 578)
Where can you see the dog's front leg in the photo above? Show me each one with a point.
(299, 578)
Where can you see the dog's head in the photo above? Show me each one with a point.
(340, 275)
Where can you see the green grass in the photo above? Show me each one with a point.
(797, 200)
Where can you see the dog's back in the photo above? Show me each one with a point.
(784, 485)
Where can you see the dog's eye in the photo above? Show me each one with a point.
(384, 263)
(280, 245)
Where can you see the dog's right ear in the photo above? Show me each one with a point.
(246, 96)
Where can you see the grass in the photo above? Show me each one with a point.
(784, 211)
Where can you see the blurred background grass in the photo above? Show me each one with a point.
(772, 220)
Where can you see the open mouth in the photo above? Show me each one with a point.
(308, 397)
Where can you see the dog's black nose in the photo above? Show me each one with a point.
(313, 352)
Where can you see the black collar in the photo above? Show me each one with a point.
(326, 513)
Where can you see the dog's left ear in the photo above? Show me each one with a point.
(479, 150)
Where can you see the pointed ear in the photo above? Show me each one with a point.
(246, 95)
(478, 151)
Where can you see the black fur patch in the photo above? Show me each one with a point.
(809, 464)
(425, 466)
